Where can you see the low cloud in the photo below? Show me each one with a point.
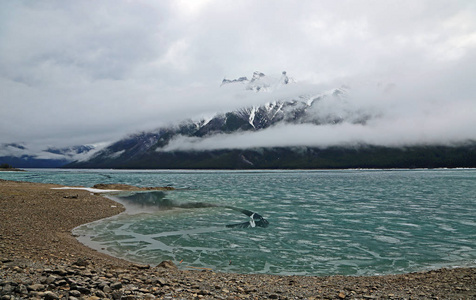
(397, 120)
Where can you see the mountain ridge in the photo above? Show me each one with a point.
(152, 149)
(164, 147)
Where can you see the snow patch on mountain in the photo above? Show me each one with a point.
(292, 107)
(259, 82)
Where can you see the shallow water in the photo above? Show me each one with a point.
(349, 222)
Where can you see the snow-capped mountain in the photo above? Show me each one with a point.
(259, 82)
(21, 156)
(174, 147)
(159, 148)
(326, 108)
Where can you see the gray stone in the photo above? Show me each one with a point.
(83, 262)
(60, 272)
(49, 295)
(75, 293)
(8, 288)
(101, 294)
(106, 289)
(116, 285)
(83, 290)
(141, 267)
(167, 264)
(116, 295)
(61, 282)
(86, 273)
(21, 289)
(50, 279)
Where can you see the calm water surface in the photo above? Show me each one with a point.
(349, 222)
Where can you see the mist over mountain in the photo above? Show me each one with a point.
(279, 122)
(327, 129)
(21, 156)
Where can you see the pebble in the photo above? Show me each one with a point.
(75, 293)
(36, 287)
(116, 285)
(91, 283)
(49, 295)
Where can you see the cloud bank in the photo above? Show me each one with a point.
(399, 120)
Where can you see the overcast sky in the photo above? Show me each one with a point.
(80, 72)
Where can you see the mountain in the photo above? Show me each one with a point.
(154, 149)
(20, 156)
(136, 147)
(260, 82)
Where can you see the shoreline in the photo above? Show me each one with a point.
(40, 257)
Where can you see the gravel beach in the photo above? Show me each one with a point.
(41, 259)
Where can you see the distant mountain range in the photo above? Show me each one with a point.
(21, 156)
(154, 149)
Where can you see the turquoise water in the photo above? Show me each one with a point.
(348, 222)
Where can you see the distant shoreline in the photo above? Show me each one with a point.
(336, 157)
(11, 170)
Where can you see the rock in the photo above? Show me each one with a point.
(50, 279)
(83, 290)
(8, 288)
(60, 272)
(116, 285)
(116, 295)
(21, 289)
(86, 273)
(61, 282)
(167, 264)
(341, 295)
(161, 281)
(75, 293)
(83, 262)
(101, 294)
(141, 267)
(106, 289)
(36, 287)
(49, 295)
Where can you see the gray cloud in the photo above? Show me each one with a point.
(90, 72)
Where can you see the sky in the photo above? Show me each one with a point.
(92, 72)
